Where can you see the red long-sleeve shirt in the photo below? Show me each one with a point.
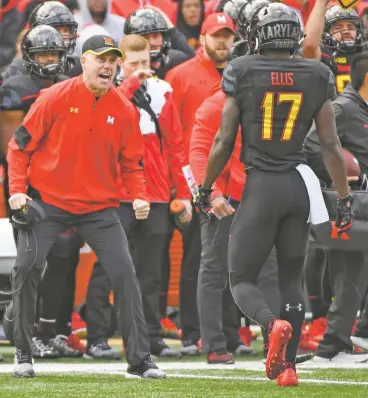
(192, 82)
(69, 145)
(207, 122)
(162, 170)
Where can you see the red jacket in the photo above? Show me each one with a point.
(161, 170)
(207, 122)
(69, 145)
(192, 82)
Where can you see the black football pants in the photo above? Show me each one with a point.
(147, 243)
(104, 234)
(273, 212)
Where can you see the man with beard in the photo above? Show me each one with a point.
(192, 82)
(334, 36)
(99, 12)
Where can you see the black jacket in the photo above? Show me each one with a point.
(10, 26)
(351, 112)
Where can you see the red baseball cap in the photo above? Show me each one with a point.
(216, 22)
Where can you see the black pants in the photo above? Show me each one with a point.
(218, 313)
(104, 234)
(314, 270)
(57, 286)
(345, 269)
(147, 242)
(273, 212)
(189, 320)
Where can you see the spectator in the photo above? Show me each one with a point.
(99, 12)
(190, 17)
(127, 7)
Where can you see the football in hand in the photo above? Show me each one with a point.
(352, 165)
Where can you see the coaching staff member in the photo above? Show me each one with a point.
(68, 149)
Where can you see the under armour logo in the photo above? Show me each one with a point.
(74, 110)
(221, 19)
(299, 307)
(110, 120)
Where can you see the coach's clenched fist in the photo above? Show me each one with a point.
(141, 208)
(18, 200)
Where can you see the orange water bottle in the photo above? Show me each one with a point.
(178, 210)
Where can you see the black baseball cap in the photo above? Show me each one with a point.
(99, 45)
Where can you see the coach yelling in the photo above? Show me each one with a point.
(69, 150)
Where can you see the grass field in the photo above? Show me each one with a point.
(186, 378)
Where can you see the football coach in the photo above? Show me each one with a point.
(74, 142)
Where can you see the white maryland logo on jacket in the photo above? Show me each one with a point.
(156, 90)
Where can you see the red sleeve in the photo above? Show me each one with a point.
(174, 80)
(25, 141)
(129, 86)
(173, 140)
(131, 157)
(207, 122)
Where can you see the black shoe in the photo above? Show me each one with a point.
(160, 349)
(147, 369)
(190, 348)
(23, 364)
(101, 350)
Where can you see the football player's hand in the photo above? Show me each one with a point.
(203, 200)
(18, 200)
(143, 74)
(221, 207)
(344, 213)
(141, 208)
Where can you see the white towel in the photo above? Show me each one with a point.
(318, 213)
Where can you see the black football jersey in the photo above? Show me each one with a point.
(340, 64)
(17, 67)
(278, 100)
(19, 92)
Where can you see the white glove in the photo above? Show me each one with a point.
(141, 208)
(18, 200)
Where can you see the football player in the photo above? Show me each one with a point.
(152, 25)
(275, 98)
(334, 36)
(57, 15)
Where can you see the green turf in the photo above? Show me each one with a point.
(191, 385)
(116, 386)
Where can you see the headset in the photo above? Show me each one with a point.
(24, 219)
(29, 214)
